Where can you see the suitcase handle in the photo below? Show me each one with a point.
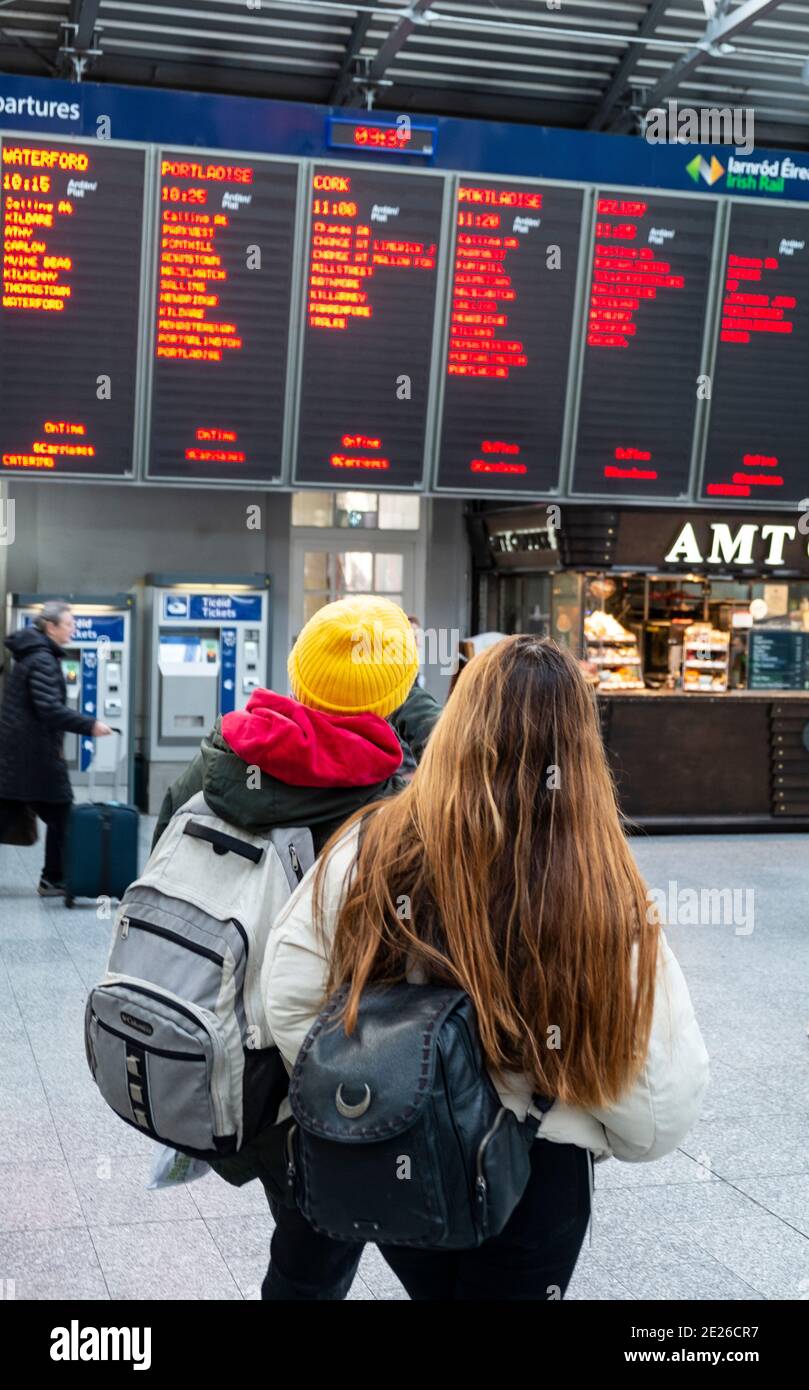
(91, 780)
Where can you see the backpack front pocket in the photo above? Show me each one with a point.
(161, 1064)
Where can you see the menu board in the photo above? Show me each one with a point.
(368, 331)
(646, 317)
(511, 323)
(759, 424)
(778, 660)
(223, 287)
(72, 225)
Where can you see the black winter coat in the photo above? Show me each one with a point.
(33, 719)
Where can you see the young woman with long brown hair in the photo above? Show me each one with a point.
(503, 870)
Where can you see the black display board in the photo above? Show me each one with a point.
(778, 660)
(511, 322)
(72, 217)
(645, 327)
(368, 327)
(223, 286)
(758, 439)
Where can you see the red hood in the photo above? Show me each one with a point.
(307, 748)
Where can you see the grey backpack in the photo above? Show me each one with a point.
(176, 1033)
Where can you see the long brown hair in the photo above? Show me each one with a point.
(503, 869)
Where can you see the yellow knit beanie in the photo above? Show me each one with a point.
(355, 656)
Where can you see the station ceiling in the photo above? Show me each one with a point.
(596, 64)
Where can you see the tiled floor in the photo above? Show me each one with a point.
(725, 1217)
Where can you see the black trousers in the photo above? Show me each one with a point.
(304, 1265)
(55, 814)
(532, 1258)
(535, 1254)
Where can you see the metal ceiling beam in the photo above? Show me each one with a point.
(84, 14)
(724, 29)
(410, 19)
(345, 77)
(627, 66)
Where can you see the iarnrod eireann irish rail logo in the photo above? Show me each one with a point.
(700, 168)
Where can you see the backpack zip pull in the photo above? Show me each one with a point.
(296, 863)
(124, 928)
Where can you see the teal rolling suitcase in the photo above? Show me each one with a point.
(101, 849)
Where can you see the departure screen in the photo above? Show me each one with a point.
(72, 225)
(759, 424)
(642, 354)
(221, 322)
(511, 320)
(368, 331)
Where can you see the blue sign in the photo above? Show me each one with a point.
(91, 629)
(175, 605)
(227, 692)
(236, 608)
(206, 120)
(89, 699)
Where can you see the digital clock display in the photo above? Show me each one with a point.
(402, 137)
(72, 220)
(222, 309)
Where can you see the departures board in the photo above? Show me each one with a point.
(72, 219)
(249, 320)
(643, 337)
(758, 441)
(368, 326)
(510, 328)
(221, 317)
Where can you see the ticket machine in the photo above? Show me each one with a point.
(98, 666)
(209, 650)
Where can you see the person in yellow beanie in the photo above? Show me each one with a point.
(338, 743)
(357, 655)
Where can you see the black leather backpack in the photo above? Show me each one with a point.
(400, 1136)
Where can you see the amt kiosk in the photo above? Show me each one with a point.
(99, 674)
(209, 651)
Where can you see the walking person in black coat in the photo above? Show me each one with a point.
(33, 720)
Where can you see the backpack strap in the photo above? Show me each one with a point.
(222, 843)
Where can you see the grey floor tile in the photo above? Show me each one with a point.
(244, 1243)
(764, 1252)
(112, 1191)
(360, 1290)
(163, 1261)
(37, 1196)
(595, 1282)
(658, 1212)
(52, 1264)
(785, 1197)
(674, 1168)
(762, 1145)
(214, 1197)
(673, 1269)
(30, 1136)
(379, 1276)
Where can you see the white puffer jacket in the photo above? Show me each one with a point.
(651, 1119)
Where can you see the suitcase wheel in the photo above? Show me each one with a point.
(69, 901)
